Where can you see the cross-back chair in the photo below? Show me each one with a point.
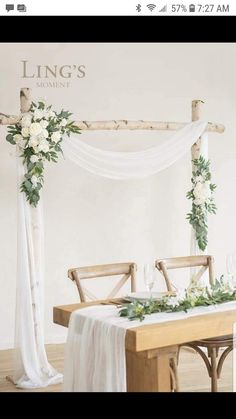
(213, 345)
(127, 270)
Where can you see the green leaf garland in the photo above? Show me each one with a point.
(215, 294)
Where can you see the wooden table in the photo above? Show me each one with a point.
(149, 347)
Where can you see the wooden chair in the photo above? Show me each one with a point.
(213, 344)
(128, 270)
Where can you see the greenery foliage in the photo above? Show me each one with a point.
(202, 200)
(215, 294)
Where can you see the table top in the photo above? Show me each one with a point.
(159, 335)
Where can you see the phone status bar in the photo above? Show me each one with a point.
(183, 9)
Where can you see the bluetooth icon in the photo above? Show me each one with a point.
(138, 7)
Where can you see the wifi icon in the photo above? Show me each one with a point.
(151, 7)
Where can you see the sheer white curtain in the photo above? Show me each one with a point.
(133, 165)
(32, 368)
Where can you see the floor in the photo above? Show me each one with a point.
(192, 371)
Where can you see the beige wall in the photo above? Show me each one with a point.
(91, 220)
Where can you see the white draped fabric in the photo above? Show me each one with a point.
(95, 349)
(32, 368)
(133, 165)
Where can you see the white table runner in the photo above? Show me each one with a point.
(95, 349)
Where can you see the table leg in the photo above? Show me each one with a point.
(149, 371)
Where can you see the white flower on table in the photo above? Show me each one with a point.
(35, 129)
(173, 301)
(56, 136)
(43, 146)
(26, 120)
(34, 181)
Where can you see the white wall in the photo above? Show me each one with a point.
(91, 220)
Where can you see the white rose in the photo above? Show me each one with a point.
(34, 181)
(56, 136)
(35, 128)
(45, 133)
(202, 192)
(40, 137)
(17, 138)
(38, 114)
(25, 132)
(44, 123)
(33, 142)
(34, 159)
(43, 146)
(63, 122)
(26, 120)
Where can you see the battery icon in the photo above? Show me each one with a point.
(192, 8)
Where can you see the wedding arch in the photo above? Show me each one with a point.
(32, 368)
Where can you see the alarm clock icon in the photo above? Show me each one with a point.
(192, 8)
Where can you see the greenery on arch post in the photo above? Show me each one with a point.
(202, 200)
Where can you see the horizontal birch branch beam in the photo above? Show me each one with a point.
(141, 125)
(122, 125)
(8, 119)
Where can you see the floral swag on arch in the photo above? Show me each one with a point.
(39, 136)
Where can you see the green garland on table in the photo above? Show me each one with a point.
(218, 293)
(202, 200)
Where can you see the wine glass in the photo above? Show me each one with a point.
(149, 277)
(231, 268)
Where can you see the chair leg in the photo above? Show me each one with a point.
(222, 358)
(174, 374)
(214, 377)
(213, 368)
(175, 371)
(172, 378)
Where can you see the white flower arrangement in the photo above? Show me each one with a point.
(39, 135)
(202, 200)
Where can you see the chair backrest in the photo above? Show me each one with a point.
(204, 262)
(128, 270)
